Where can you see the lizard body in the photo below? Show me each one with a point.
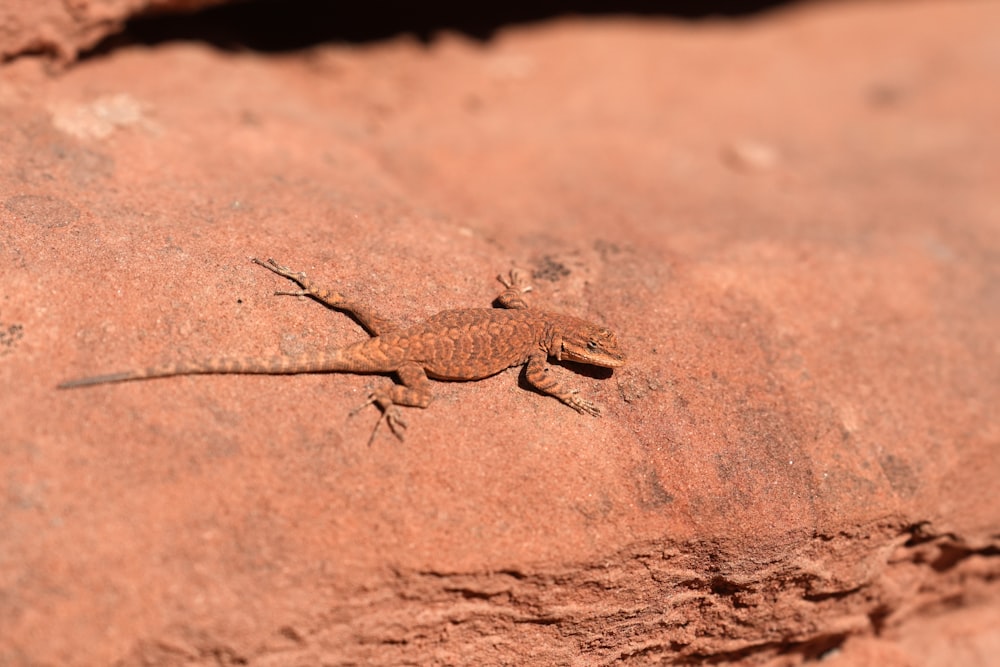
(465, 344)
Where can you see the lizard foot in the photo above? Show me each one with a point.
(514, 281)
(582, 405)
(390, 415)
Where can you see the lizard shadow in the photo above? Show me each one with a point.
(586, 370)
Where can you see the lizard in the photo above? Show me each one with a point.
(460, 345)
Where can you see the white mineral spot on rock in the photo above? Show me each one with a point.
(99, 118)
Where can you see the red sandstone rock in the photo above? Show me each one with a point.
(800, 460)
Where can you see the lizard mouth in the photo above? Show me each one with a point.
(611, 362)
(604, 360)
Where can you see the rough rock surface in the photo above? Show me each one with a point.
(62, 29)
(796, 241)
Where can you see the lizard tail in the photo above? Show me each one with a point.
(308, 363)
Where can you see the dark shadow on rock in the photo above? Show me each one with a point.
(271, 26)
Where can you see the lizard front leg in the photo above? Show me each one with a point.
(538, 375)
(373, 324)
(513, 296)
(415, 391)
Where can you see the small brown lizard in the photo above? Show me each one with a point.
(467, 344)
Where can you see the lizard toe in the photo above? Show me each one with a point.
(395, 420)
(371, 400)
(514, 281)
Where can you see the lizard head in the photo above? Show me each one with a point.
(586, 343)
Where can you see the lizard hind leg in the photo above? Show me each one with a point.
(415, 391)
(373, 323)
